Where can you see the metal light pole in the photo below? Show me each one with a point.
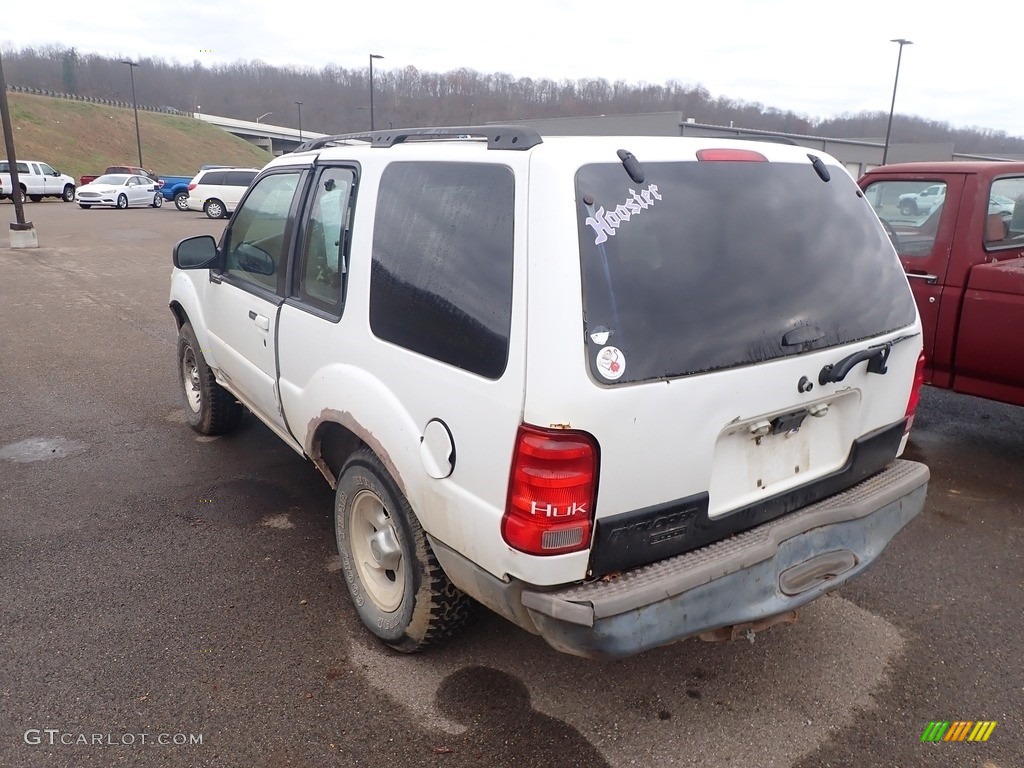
(892, 107)
(265, 114)
(372, 57)
(299, 105)
(138, 138)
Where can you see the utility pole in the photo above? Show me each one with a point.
(138, 138)
(23, 234)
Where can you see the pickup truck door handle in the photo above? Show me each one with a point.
(263, 323)
(930, 279)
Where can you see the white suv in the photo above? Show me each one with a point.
(216, 191)
(620, 390)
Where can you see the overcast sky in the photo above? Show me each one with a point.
(816, 59)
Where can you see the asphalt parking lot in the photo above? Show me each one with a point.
(174, 600)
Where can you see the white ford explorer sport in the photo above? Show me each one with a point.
(620, 390)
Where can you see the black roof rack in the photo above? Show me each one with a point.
(498, 136)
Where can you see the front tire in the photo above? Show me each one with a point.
(396, 583)
(181, 201)
(87, 206)
(211, 409)
(908, 208)
(68, 196)
(214, 209)
(122, 201)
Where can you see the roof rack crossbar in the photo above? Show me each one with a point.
(498, 136)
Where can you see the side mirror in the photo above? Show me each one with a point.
(198, 252)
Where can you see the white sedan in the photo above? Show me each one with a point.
(119, 190)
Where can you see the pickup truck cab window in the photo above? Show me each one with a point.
(255, 242)
(1004, 226)
(320, 271)
(910, 212)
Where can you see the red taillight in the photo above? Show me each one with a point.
(191, 186)
(915, 392)
(552, 491)
(731, 156)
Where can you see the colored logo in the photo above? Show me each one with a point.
(959, 730)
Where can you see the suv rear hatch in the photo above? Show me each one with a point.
(721, 298)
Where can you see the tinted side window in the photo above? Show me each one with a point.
(255, 242)
(441, 281)
(239, 178)
(214, 177)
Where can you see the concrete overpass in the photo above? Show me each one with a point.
(276, 139)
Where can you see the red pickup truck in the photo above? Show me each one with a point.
(958, 228)
(131, 169)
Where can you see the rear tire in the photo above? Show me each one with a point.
(68, 196)
(214, 209)
(211, 409)
(158, 200)
(36, 198)
(396, 583)
(181, 201)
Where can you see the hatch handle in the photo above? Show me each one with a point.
(876, 357)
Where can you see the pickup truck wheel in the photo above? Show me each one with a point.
(395, 582)
(36, 198)
(181, 201)
(122, 201)
(68, 195)
(214, 209)
(908, 208)
(211, 409)
(158, 200)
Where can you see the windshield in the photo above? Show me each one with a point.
(711, 265)
(111, 179)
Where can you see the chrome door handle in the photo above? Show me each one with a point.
(930, 279)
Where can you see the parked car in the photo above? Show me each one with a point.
(175, 189)
(129, 169)
(965, 263)
(36, 180)
(216, 191)
(562, 378)
(120, 190)
(925, 201)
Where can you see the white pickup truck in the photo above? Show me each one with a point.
(37, 180)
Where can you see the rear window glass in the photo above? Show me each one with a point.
(713, 265)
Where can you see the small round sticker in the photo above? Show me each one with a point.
(611, 362)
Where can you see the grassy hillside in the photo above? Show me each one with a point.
(81, 138)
